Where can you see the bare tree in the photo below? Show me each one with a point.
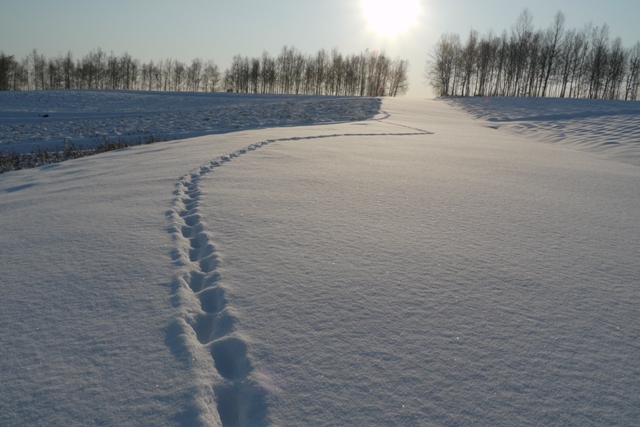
(267, 73)
(8, 66)
(320, 69)
(398, 78)
(39, 69)
(210, 77)
(582, 47)
(254, 75)
(617, 64)
(569, 51)
(599, 60)
(441, 64)
(179, 71)
(554, 38)
(468, 62)
(194, 75)
(56, 79)
(632, 85)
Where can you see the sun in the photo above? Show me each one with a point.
(390, 17)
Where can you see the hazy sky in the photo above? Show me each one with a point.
(210, 29)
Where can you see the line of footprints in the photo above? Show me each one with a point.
(238, 402)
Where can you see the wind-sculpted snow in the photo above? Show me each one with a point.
(598, 125)
(82, 117)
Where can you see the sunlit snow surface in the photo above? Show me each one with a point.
(417, 268)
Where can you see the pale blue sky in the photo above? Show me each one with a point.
(209, 29)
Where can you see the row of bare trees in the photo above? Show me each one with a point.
(367, 74)
(555, 62)
(99, 70)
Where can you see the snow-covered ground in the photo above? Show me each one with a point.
(607, 127)
(46, 119)
(415, 268)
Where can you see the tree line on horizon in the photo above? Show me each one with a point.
(291, 72)
(556, 62)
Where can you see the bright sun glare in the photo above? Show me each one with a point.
(390, 17)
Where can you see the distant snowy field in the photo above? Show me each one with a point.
(418, 266)
(82, 117)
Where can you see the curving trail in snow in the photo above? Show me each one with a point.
(207, 322)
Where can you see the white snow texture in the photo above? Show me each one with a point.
(330, 262)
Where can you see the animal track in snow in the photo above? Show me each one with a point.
(387, 115)
(209, 327)
(239, 400)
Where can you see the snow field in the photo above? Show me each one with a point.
(420, 268)
(82, 117)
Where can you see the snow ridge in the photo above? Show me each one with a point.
(206, 327)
